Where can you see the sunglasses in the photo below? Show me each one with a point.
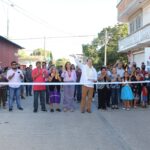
(14, 64)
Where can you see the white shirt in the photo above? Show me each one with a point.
(120, 72)
(88, 74)
(15, 79)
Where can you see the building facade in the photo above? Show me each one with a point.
(136, 13)
(8, 51)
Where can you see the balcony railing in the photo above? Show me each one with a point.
(140, 37)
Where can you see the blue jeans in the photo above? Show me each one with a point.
(28, 90)
(42, 99)
(79, 92)
(14, 92)
(115, 96)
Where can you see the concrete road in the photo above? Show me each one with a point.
(101, 130)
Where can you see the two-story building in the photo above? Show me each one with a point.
(136, 13)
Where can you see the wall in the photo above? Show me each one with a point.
(146, 14)
(139, 58)
(7, 53)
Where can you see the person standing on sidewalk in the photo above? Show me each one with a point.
(89, 77)
(14, 75)
(38, 75)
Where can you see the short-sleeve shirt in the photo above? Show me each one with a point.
(16, 78)
(40, 78)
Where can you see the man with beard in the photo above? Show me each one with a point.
(14, 75)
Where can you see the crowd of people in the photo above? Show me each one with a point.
(109, 82)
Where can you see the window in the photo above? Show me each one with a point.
(135, 23)
(138, 22)
(132, 28)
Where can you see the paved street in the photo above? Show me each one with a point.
(101, 130)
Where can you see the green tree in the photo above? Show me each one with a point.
(43, 54)
(22, 53)
(37, 54)
(61, 62)
(95, 50)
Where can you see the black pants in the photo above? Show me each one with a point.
(42, 99)
(103, 95)
(3, 96)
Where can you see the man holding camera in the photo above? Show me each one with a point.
(14, 75)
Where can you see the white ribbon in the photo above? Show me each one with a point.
(69, 83)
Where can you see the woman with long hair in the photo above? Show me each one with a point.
(68, 75)
(54, 90)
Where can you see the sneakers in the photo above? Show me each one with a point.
(123, 108)
(71, 110)
(51, 110)
(44, 110)
(10, 109)
(58, 110)
(82, 111)
(65, 109)
(20, 108)
(35, 110)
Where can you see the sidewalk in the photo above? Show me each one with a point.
(101, 130)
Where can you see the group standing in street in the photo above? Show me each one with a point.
(109, 83)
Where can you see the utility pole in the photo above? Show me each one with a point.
(105, 51)
(11, 5)
(7, 23)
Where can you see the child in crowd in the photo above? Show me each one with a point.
(135, 87)
(126, 92)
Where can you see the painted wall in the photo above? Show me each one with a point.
(7, 53)
(146, 14)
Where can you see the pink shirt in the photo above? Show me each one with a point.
(69, 77)
(39, 78)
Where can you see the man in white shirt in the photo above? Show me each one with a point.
(89, 77)
(14, 75)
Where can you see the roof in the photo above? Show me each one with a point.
(16, 45)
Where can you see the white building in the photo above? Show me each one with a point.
(137, 44)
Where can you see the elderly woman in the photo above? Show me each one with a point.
(68, 75)
(103, 89)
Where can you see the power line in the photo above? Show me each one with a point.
(31, 16)
(56, 37)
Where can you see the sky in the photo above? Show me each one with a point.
(56, 18)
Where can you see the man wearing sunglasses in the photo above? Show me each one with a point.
(14, 75)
